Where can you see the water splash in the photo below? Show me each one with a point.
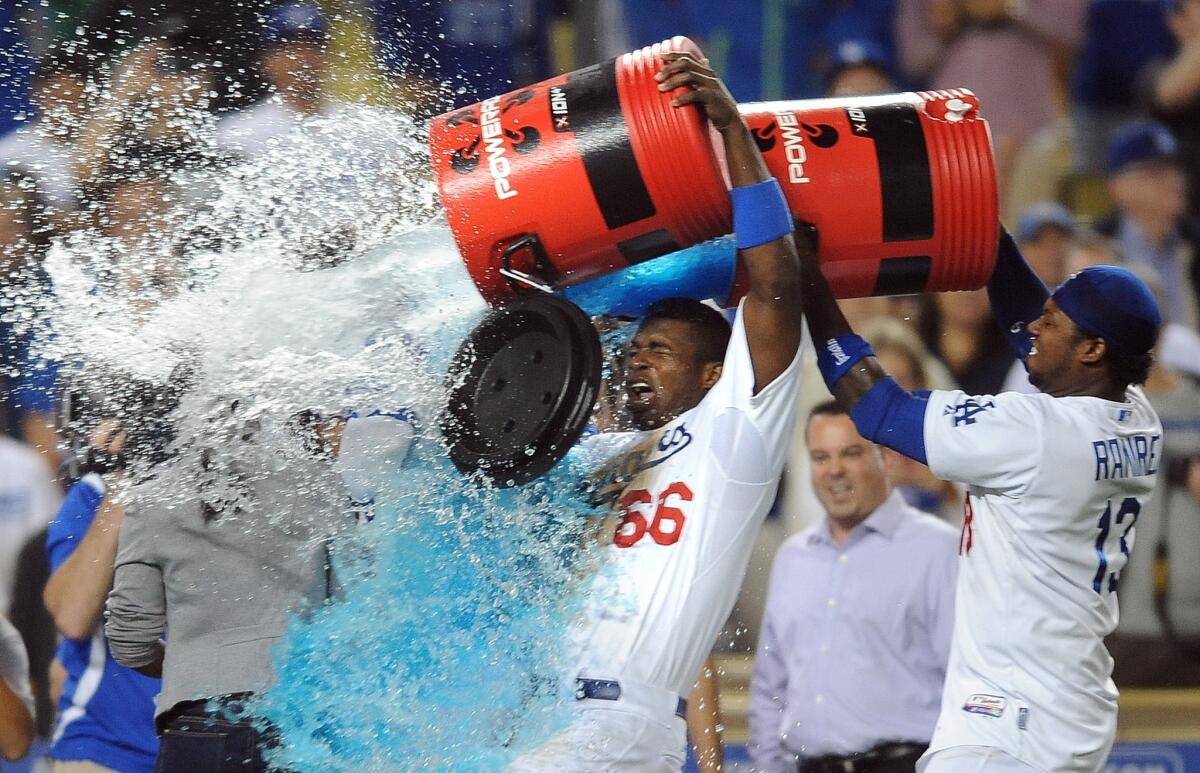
(322, 279)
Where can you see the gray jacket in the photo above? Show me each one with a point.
(221, 589)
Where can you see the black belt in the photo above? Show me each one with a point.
(861, 762)
(610, 690)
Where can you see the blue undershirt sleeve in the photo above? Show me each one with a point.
(892, 417)
(1016, 295)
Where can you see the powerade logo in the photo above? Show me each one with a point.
(494, 138)
(793, 132)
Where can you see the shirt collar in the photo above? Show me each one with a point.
(886, 520)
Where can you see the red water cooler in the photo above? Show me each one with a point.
(594, 171)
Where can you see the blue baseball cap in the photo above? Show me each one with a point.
(1042, 214)
(295, 21)
(1141, 143)
(1112, 303)
(857, 53)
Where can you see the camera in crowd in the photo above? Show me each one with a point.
(140, 407)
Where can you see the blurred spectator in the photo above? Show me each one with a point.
(1175, 90)
(1150, 227)
(138, 209)
(295, 59)
(106, 712)
(1044, 234)
(223, 34)
(28, 499)
(1122, 41)
(156, 104)
(767, 50)
(959, 330)
(16, 701)
(859, 68)
(27, 379)
(856, 633)
(16, 68)
(902, 355)
(43, 149)
(29, 615)
(474, 48)
(1005, 52)
(1157, 643)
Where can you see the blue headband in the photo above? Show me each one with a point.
(1110, 302)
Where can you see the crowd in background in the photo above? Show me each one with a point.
(112, 110)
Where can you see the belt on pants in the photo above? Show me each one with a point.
(861, 762)
(610, 690)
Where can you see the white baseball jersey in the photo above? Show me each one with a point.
(694, 495)
(1055, 487)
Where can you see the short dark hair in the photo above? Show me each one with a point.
(713, 328)
(826, 408)
(1126, 369)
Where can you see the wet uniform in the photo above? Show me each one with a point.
(693, 496)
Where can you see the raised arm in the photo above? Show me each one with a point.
(772, 312)
(82, 564)
(1016, 295)
(881, 410)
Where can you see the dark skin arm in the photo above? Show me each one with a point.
(826, 321)
(773, 310)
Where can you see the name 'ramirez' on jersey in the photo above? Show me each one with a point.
(1056, 486)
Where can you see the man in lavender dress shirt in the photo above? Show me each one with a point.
(856, 634)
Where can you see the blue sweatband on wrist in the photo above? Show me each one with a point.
(891, 417)
(839, 355)
(760, 214)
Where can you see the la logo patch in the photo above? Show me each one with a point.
(966, 411)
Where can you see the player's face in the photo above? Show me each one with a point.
(665, 375)
(1054, 358)
(848, 470)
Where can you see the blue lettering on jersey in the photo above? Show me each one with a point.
(672, 442)
(965, 412)
(1126, 457)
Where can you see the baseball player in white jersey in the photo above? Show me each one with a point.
(693, 485)
(1055, 484)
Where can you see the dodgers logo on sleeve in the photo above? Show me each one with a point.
(966, 411)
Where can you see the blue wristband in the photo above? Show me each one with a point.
(839, 355)
(760, 214)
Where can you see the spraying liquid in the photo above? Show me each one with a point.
(321, 280)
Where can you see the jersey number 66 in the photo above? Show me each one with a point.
(664, 528)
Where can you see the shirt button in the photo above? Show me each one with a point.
(832, 602)
(824, 648)
(843, 558)
(820, 699)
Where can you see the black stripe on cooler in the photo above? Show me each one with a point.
(647, 246)
(603, 140)
(903, 276)
(904, 176)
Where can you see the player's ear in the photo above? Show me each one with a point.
(1092, 350)
(709, 374)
